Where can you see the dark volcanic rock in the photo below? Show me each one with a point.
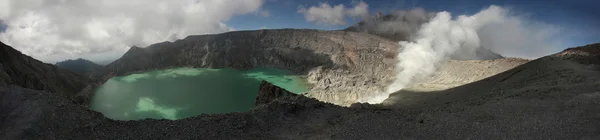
(268, 92)
(24, 71)
(80, 66)
(341, 66)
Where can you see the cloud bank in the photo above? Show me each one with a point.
(54, 30)
(325, 14)
(443, 36)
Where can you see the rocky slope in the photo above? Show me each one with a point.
(454, 73)
(341, 66)
(554, 97)
(564, 74)
(268, 92)
(80, 66)
(24, 71)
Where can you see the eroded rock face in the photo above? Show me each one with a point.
(22, 70)
(341, 66)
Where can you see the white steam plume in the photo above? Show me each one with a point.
(54, 30)
(442, 37)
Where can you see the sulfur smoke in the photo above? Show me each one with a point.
(443, 36)
(397, 26)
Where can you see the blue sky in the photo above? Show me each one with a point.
(2, 26)
(579, 17)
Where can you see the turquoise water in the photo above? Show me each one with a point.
(186, 92)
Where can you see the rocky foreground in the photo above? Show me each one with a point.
(554, 97)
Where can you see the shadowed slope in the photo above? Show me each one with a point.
(24, 71)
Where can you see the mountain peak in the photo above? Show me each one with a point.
(79, 65)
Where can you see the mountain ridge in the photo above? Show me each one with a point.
(80, 66)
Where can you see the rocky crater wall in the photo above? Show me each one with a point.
(341, 66)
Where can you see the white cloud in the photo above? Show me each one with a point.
(326, 14)
(4, 9)
(360, 10)
(53, 30)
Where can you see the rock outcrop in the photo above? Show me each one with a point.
(341, 66)
(22, 70)
(268, 92)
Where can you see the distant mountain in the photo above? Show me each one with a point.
(21, 70)
(400, 25)
(81, 66)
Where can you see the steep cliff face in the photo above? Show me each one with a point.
(24, 71)
(341, 66)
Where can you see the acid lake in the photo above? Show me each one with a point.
(186, 92)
